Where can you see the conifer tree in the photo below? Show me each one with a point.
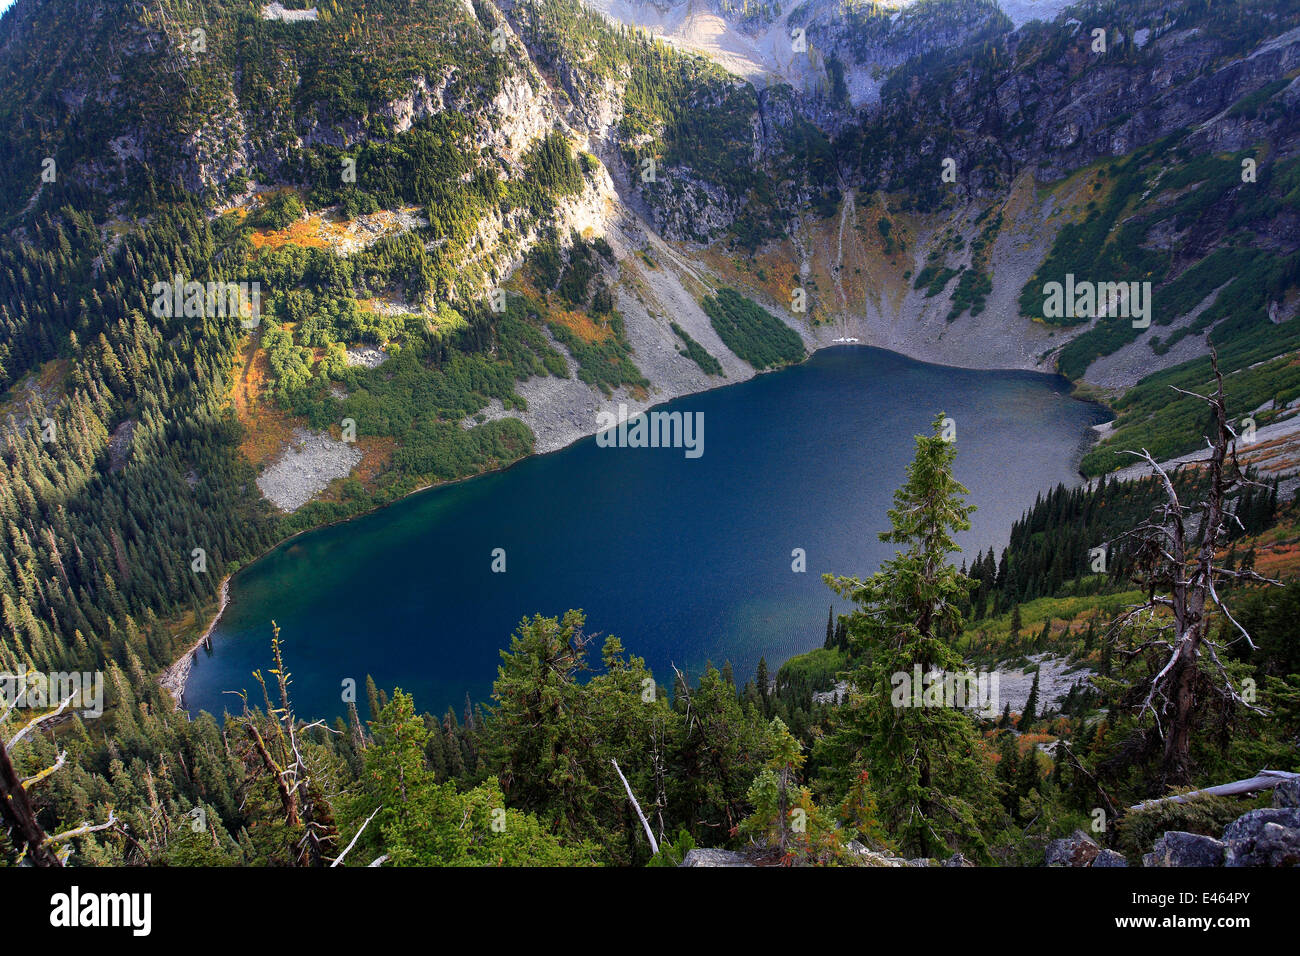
(372, 697)
(1008, 771)
(927, 764)
(1028, 777)
(785, 816)
(1030, 713)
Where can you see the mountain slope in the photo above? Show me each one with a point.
(473, 226)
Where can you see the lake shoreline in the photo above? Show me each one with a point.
(176, 676)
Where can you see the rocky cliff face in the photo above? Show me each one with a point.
(919, 82)
(840, 118)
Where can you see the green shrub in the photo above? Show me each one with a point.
(1140, 829)
(280, 211)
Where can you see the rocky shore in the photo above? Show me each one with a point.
(173, 679)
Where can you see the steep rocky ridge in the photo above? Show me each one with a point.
(817, 171)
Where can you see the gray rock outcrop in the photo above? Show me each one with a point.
(1179, 848)
(1268, 837)
(1078, 849)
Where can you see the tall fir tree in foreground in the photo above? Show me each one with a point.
(927, 765)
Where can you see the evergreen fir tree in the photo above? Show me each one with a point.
(1008, 771)
(372, 698)
(1030, 713)
(1029, 776)
(927, 764)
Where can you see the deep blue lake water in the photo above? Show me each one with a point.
(686, 560)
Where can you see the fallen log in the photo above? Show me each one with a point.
(1264, 780)
(654, 846)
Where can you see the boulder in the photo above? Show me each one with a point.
(1109, 858)
(1287, 794)
(703, 857)
(1268, 837)
(868, 857)
(1179, 848)
(1078, 849)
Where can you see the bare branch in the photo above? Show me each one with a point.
(84, 829)
(57, 765)
(348, 848)
(36, 721)
(654, 846)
